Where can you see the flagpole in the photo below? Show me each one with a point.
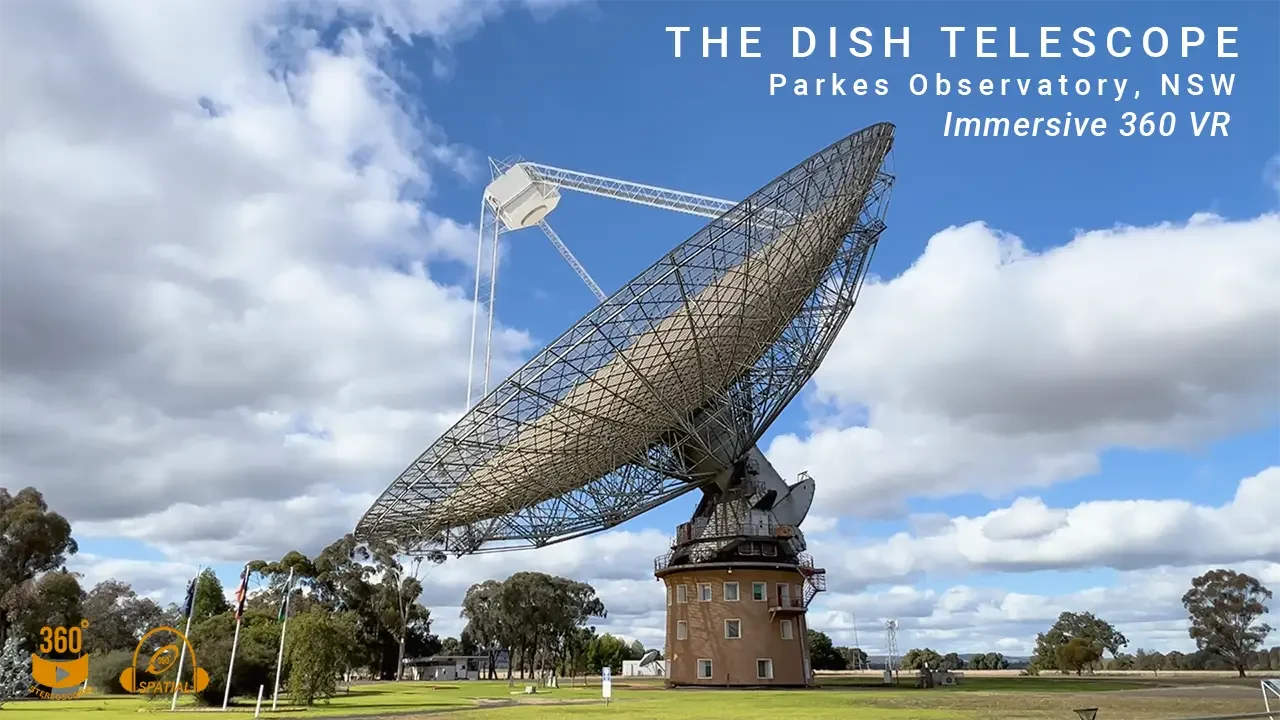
(182, 650)
(235, 642)
(288, 589)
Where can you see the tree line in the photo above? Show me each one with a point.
(353, 612)
(1223, 608)
(539, 623)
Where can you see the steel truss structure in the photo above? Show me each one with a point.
(667, 382)
(491, 228)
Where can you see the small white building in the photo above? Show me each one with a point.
(446, 668)
(633, 668)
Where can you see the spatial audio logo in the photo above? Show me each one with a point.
(49, 675)
(160, 664)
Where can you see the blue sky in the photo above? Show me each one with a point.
(296, 257)
(598, 90)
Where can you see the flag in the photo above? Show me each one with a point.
(189, 604)
(242, 592)
(284, 600)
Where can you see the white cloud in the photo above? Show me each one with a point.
(163, 581)
(1028, 536)
(1271, 173)
(1145, 605)
(202, 326)
(986, 367)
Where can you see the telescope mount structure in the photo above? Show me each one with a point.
(665, 387)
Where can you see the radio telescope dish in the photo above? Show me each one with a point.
(667, 385)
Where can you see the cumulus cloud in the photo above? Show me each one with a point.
(1145, 605)
(1029, 536)
(987, 367)
(216, 306)
(164, 581)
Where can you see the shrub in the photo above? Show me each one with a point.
(105, 669)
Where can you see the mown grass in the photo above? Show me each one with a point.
(1011, 698)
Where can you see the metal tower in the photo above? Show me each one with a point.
(891, 646)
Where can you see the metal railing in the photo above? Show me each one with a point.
(731, 529)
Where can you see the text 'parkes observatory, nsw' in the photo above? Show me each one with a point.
(663, 388)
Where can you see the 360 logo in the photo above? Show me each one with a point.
(60, 674)
(160, 663)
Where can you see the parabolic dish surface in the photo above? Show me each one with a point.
(677, 373)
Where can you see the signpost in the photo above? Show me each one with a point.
(606, 683)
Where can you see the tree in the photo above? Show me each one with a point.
(1071, 625)
(606, 651)
(1149, 660)
(317, 648)
(822, 653)
(387, 620)
(255, 655)
(952, 661)
(117, 617)
(486, 626)
(53, 599)
(576, 644)
(1123, 661)
(635, 651)
(917, 658)
(397, 597)
(537, 619)
(1077, 654)
(1224, 606)
(854, 658)
(33, 540)
(989, 661)
(15, 670)
(210, 598)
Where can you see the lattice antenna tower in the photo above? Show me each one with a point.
(856, 646)
(520, 196)
(891, 646)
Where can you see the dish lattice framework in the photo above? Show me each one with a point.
(471, 492)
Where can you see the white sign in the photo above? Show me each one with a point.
(606, 682)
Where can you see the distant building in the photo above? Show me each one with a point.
(446, 668)
(633, 668)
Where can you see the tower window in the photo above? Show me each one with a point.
(704, 669)
(731, 592)
(682, 594)
(759, 591)
(704, 592)
(733, 629)
(764, 669)
(787, 632)
(682, 630)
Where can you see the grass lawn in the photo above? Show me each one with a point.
(1009, 698)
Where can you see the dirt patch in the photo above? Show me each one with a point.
(1207, 692)
(1144, 704)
